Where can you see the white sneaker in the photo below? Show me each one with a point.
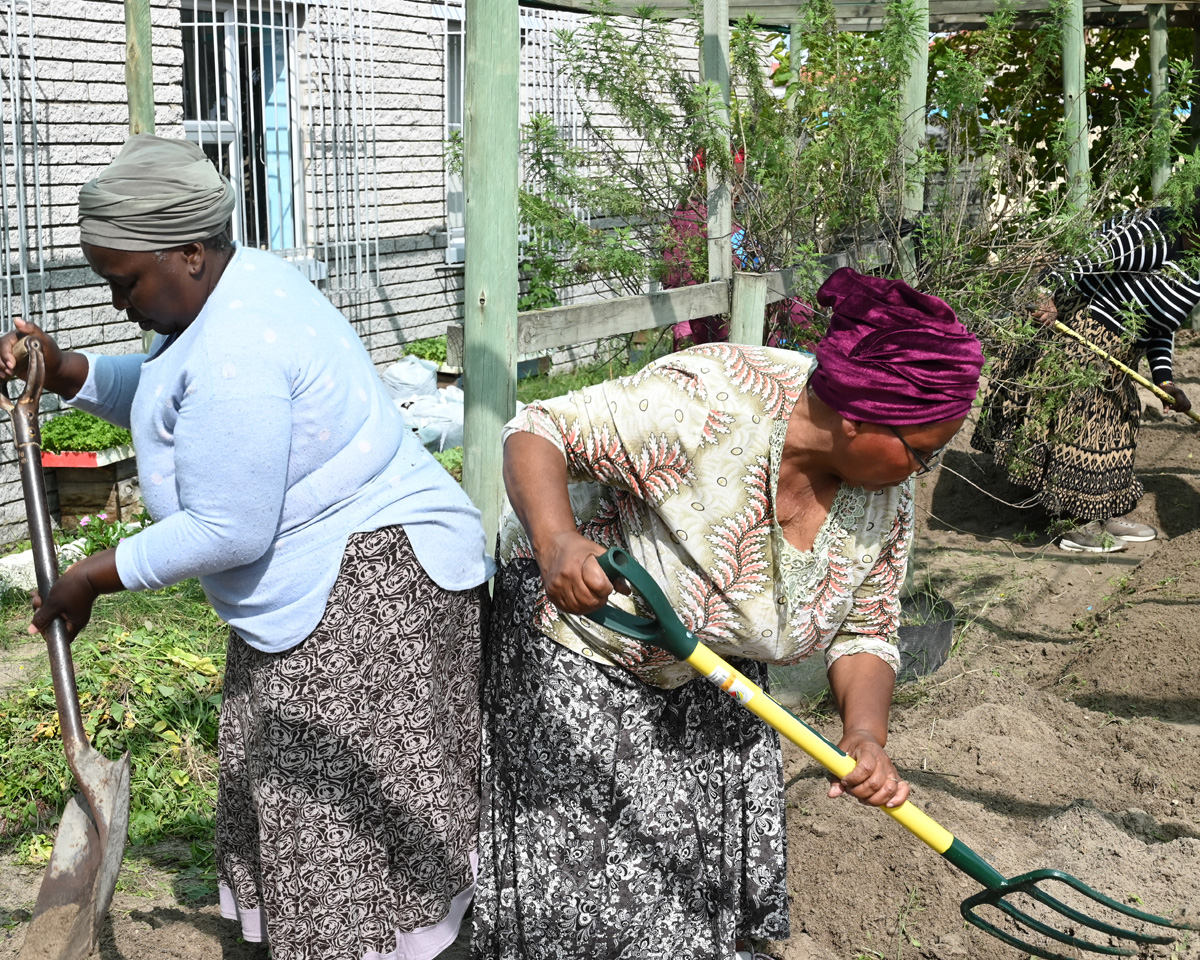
(1124, 529)
(1090, 538)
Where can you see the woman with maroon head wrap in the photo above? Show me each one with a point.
(628, 811)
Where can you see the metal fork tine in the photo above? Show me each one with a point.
(1076, 884)
(1099, 925)
(1055, 934)
(972, 918)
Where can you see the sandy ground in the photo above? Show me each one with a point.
(1063, 732)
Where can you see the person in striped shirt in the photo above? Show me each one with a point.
(1129, 295)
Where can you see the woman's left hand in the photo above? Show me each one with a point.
(874, 780)
(74, 593)
(1182, 404)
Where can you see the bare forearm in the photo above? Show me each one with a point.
(535, 477)
(862, 686)
(70, 377)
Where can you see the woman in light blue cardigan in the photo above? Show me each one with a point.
(347, 563)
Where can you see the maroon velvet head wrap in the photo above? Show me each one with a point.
(892, 355)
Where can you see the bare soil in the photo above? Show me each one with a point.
(1064, 732)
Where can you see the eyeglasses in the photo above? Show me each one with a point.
(926, 463)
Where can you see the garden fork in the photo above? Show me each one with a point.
(668, 633)
(79, 881)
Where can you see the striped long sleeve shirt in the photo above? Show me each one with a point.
(1134, 284)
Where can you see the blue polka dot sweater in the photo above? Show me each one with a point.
(264, 438)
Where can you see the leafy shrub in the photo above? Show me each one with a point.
(99, 533)
(452, 460)
(79, 430)
(432, 348)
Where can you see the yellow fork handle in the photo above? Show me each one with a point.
(1132, 374)
(753, 698)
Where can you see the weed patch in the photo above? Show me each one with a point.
(149, 671)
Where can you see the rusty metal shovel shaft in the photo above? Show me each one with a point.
(79, 881)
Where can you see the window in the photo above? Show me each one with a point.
(24, 174)
(543, 90)
(280, 95)
(455, 84)
(237, 95)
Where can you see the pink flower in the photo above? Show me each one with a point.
(84, 521)
(102, 516)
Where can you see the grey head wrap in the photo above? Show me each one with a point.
(157, 193)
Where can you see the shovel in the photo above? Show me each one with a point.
(78, 884)
(668, 633)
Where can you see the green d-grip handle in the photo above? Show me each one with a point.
(666, 631)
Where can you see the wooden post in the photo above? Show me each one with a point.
(139, 66)
(913, 110)
(749, 310)
(715, 68)
(490, 177)
(1159, 93)
(1074, 63)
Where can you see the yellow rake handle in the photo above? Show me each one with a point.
(1132, 374)
(762, 705)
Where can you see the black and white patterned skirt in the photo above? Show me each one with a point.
(348, 797)
(1078, 457)
(619, 820)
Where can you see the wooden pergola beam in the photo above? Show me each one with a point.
(914, 110)
(139, 66)
(1074, 68)
(491, 150)
(1159, 92)
(714, 68)
(944, 15)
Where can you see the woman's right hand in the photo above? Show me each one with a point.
(1045, 311)
(11, 366)
(574, 581)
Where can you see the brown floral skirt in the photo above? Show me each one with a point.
(348, 789)
(1078, 455)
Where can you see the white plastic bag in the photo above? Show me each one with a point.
(437, 419)
(410, 377)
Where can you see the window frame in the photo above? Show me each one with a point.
(454, 92)
(229, 126)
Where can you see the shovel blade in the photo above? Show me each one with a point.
(79, 882)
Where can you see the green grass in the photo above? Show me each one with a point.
(451, 460)
(556, 384)
(149, 669)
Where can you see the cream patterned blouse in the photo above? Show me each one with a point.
(679, 464)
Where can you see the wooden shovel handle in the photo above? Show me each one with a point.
(1132, 374)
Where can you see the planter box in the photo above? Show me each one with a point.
(98, 458)
(101, 482)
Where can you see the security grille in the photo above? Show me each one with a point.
(23, 175)
(281, 95)
(544, 90)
